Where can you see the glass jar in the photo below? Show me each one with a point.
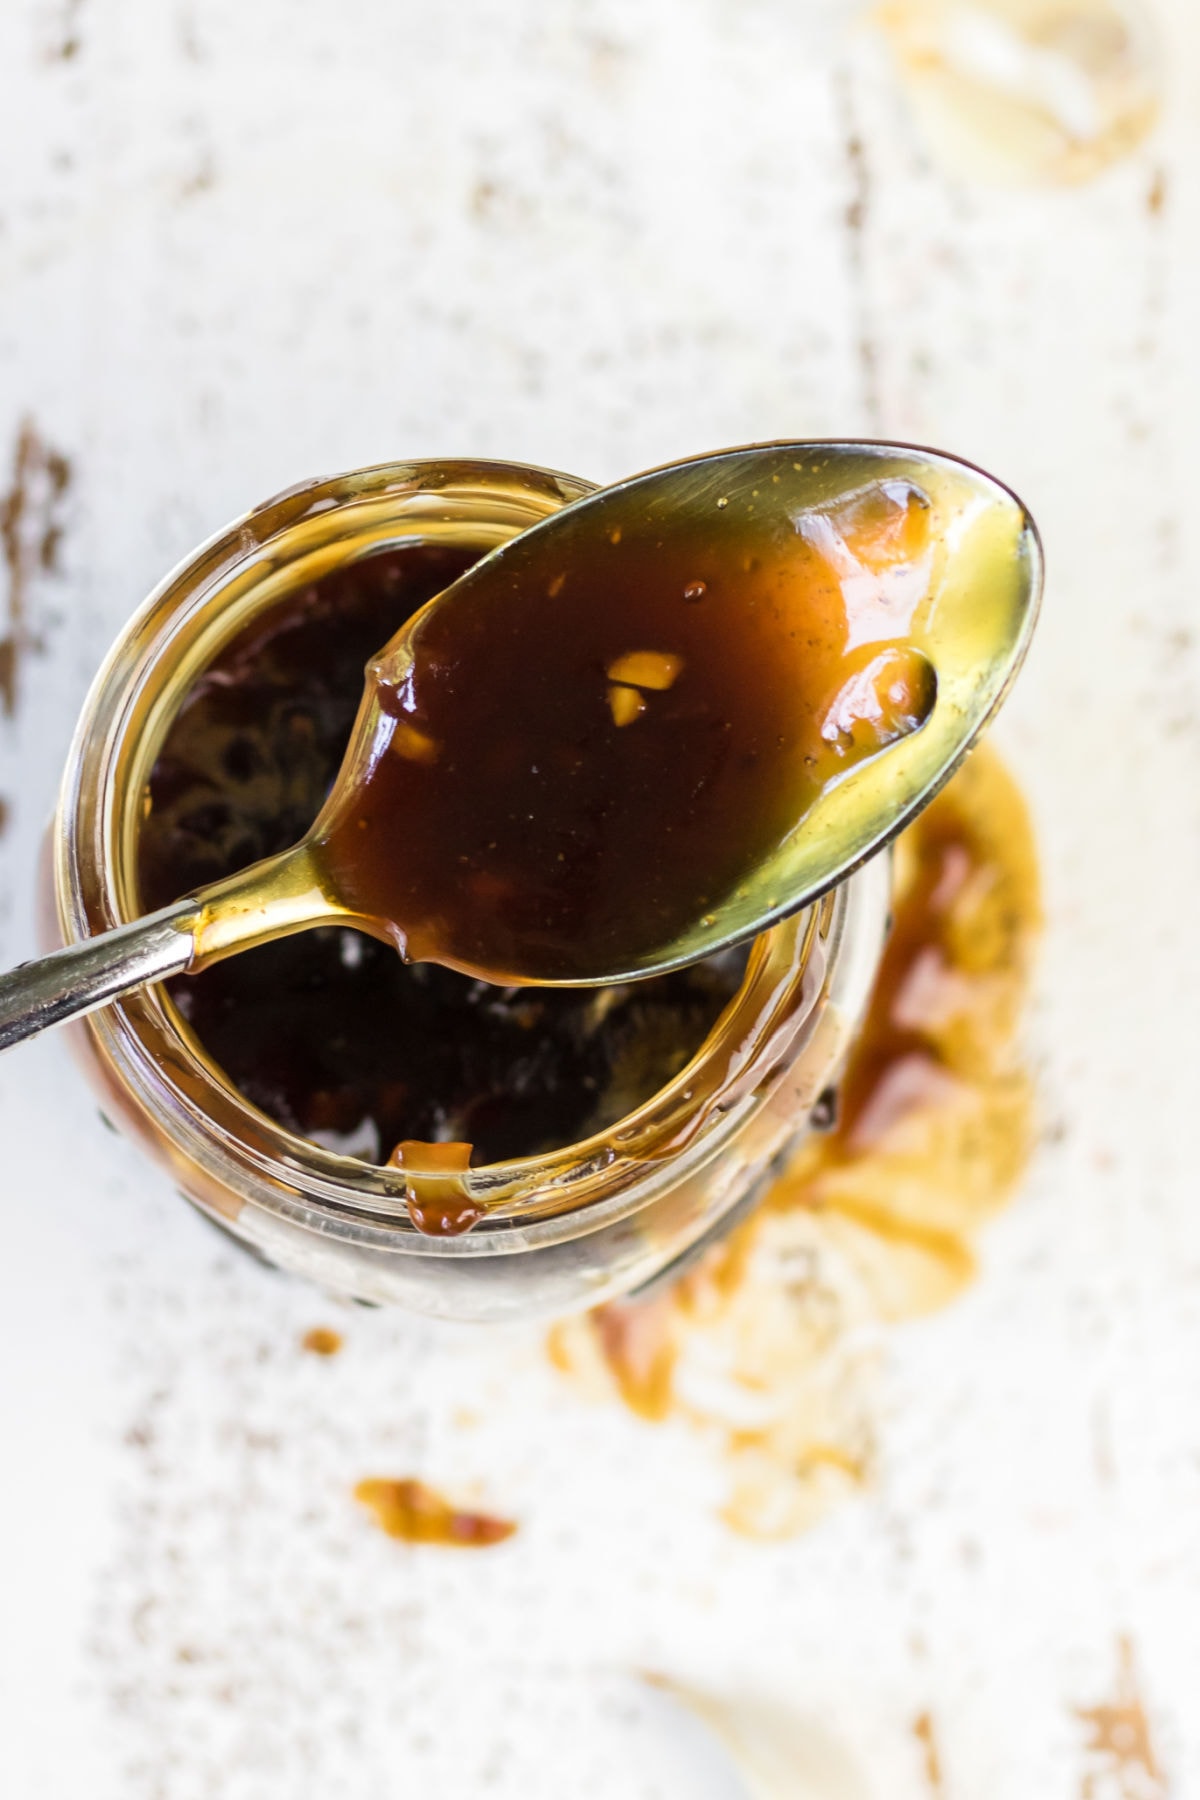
(562, 1230)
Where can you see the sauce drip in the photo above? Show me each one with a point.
(438, 1207)
(586, 748)
(418, 1514)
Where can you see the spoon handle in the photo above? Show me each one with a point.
(270, 899)
(87, 975)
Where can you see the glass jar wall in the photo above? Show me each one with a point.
(561, 1229)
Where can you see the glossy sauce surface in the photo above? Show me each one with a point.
(586, 746)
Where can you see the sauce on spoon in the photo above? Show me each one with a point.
(581, 750)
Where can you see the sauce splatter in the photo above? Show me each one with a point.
(1121, 1752)
(872, 1220)
(418, 1514)
(926, 1735)
(322, 1340)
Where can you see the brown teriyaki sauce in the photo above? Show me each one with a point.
(589, 744)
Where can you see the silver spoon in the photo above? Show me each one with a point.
(910, 553)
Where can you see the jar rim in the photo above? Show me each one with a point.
(192, 612)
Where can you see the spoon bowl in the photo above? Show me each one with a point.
(850, 616)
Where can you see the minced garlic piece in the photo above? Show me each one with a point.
(654, 669)
(625, 704)
(415, 746)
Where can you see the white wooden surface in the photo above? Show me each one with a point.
(245, 241)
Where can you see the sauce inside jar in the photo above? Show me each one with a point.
(330, 1033)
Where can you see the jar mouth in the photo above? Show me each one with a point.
(198, 608)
